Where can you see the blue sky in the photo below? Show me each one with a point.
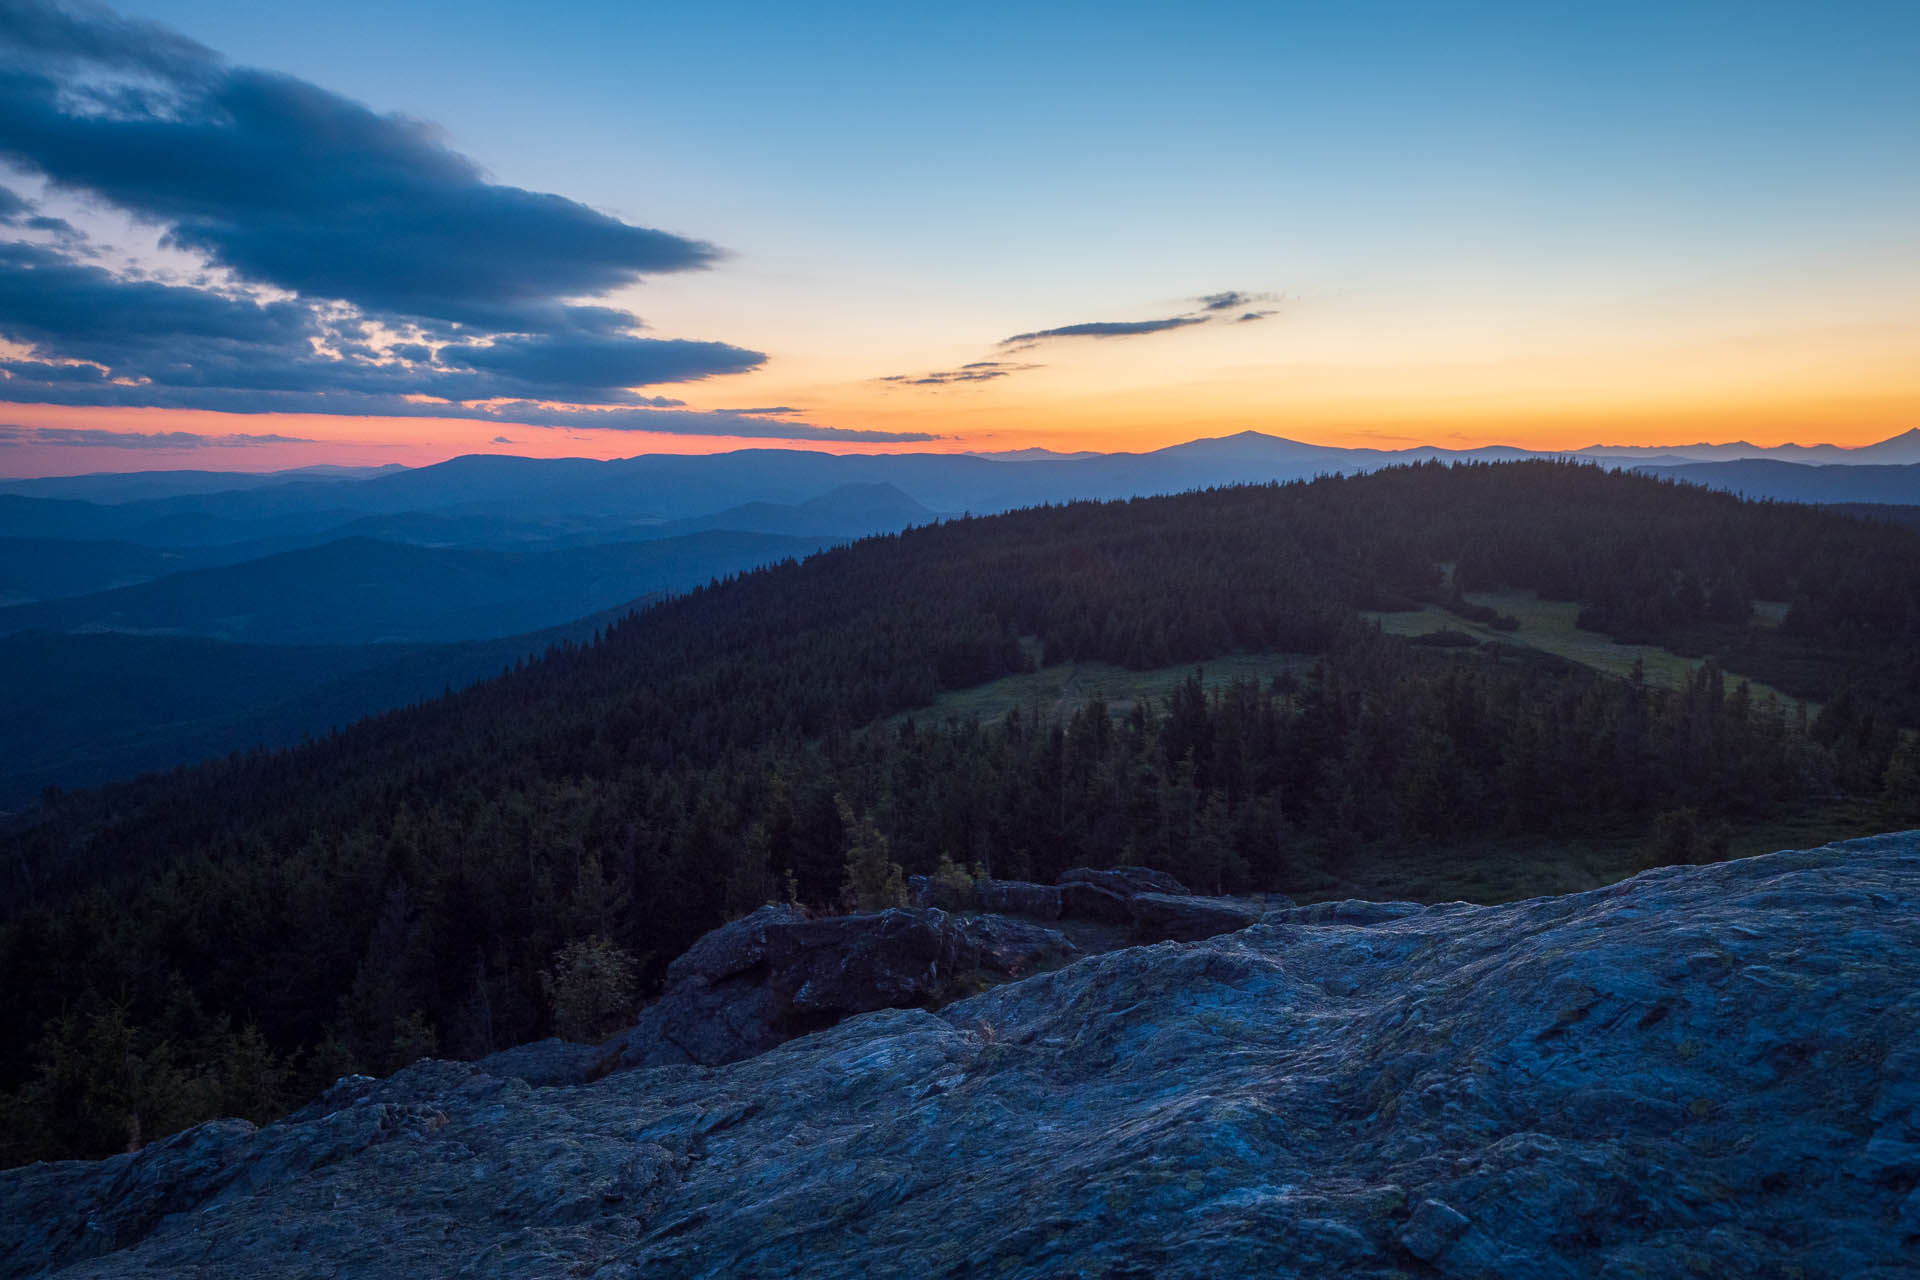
(1477, 202)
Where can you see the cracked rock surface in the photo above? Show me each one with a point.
(1701, 1071)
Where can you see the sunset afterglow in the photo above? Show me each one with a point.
(1505, 225)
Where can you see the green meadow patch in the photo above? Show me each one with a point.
(1548, 625)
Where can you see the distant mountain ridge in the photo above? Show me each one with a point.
(504, 500)
(1828, 483)
(132, 486)
(361, 590)
(92, 708)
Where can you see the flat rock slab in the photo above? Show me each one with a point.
(1700, 1071)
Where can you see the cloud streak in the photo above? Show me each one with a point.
(978, 371)
(1104, 329)
(93, 438)
(1207, 309)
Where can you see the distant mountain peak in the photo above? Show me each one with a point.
(1247, 443)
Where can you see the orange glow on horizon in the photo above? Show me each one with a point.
(1312, 406)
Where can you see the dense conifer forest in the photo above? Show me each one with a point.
(226, 938)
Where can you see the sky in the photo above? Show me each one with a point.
(246, 236)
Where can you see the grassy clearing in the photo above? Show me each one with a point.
(1548, 625)
(1059, 691)
(1507, 870)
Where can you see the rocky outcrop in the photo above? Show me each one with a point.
(1124, 882)
(1018, 898)
(855, 964)
(1184, 918)
(775, 974)
(1701, 1071)
(1346, 911)
(1107, 895)
(931, 891)
(547, 1062)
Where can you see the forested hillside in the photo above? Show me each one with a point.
(220, 939)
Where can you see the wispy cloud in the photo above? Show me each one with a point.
(89, 437)
(1103, 329)
(978, 371)
(1206, 308)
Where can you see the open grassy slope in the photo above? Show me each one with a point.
(1548, 625)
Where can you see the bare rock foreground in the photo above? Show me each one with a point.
(1702, 1071)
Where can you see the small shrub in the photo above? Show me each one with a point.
(1682, 838)
(874, 880)
(590, 989)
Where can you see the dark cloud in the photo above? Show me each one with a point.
(977, 371)
(771, 410)
(587, 358)
(80, 311)
(1254, 315)
(1104, 329)
(294, 186)
(1227, 301)
(90, 437)
(15, 211)
(501, 440)
(91, 34)
(417, 287)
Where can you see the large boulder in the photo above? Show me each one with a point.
(763, 979)
(1083, 901)
(1124, 881)
(547, 1062)
(1009, 948)
(705, 1024)
(854, 964)
(1708, 1070)
(717, 1006)
(1018, 898)
(734, 947)
(948, 895)
(1169, 917)
(1106, 894)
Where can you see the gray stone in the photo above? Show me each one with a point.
(1083, 901)
(1172, 917)
(1432, 1230)
(547, 1062)
(926, 891)
(1703, 1070)
(1350, 911)
(1124, 881)
(1010, 948)
(1018, 898)
(733, 948)
(855, 964)
(806, 974)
